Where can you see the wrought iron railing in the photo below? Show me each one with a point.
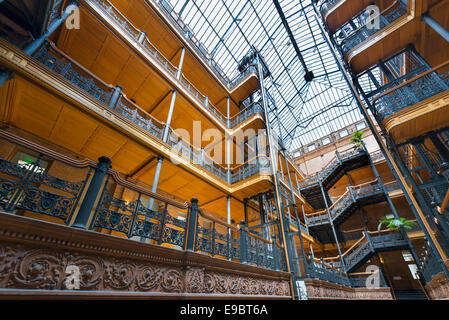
(257, 165)
(161, 223)
(38, 188)
(332, 165)
(26, 186)
(367, 245)
(351, 39)
(255, 107)
(326, 5)
(227, 241)
(409, 91)
(429, 266)
(351, 196)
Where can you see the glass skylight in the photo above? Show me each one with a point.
(308, 111)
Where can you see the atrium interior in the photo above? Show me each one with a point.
(261, 149)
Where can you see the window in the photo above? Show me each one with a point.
(296, 154)
(311, 147)
(344, 133)
(361, 126)
(26, 161)
(414, 271)
(326, 141)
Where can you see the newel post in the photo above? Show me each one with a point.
(243, 243)
(93, 192)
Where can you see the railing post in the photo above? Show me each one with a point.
(82, 218)
(142, 37)
(243, 243)
(192, 225)
(213, 240)
(115, 96)
(277, 265)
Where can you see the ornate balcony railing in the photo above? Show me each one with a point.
(351, 196)
(326, 5)
(429, 265)
(350, 39)
(26, 186)
(260, 164)
(333, 164)
(255, 107)
(409, 91)
(196, 45)
(38, 188)
(367, 245)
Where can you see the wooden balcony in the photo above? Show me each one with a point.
(337, 13)
(416, 106)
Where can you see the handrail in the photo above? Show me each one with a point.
(76, 63)
(363, 184)
(206, 214)
(248, 161)
(409, 81)
(259, 237)
(350, 249)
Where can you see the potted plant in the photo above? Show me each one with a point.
(393, 223)
(357, 139)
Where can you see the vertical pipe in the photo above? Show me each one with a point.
(438, 28)
(181, 62)
(169, 116)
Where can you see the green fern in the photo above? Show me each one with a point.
(357, 139)
(393, 223)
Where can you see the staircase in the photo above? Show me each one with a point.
(335, 169)
(410, 295)
(367, 246)
(355, 197)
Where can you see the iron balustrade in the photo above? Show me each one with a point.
(332, 165)
(410, 92)
(135, 220)
(73, 72)
(253, 108)
(27, 187)
(429, 266)
(326, 5)
(196, 45)
(40, 186)
(350, 39)
(362, 249)
(257, 165)
(351, 196)
(390, 72)
(227, 241)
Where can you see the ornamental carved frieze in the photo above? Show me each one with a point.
(25, 267)
(438, 288)
(318, 290)
(198, 280)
